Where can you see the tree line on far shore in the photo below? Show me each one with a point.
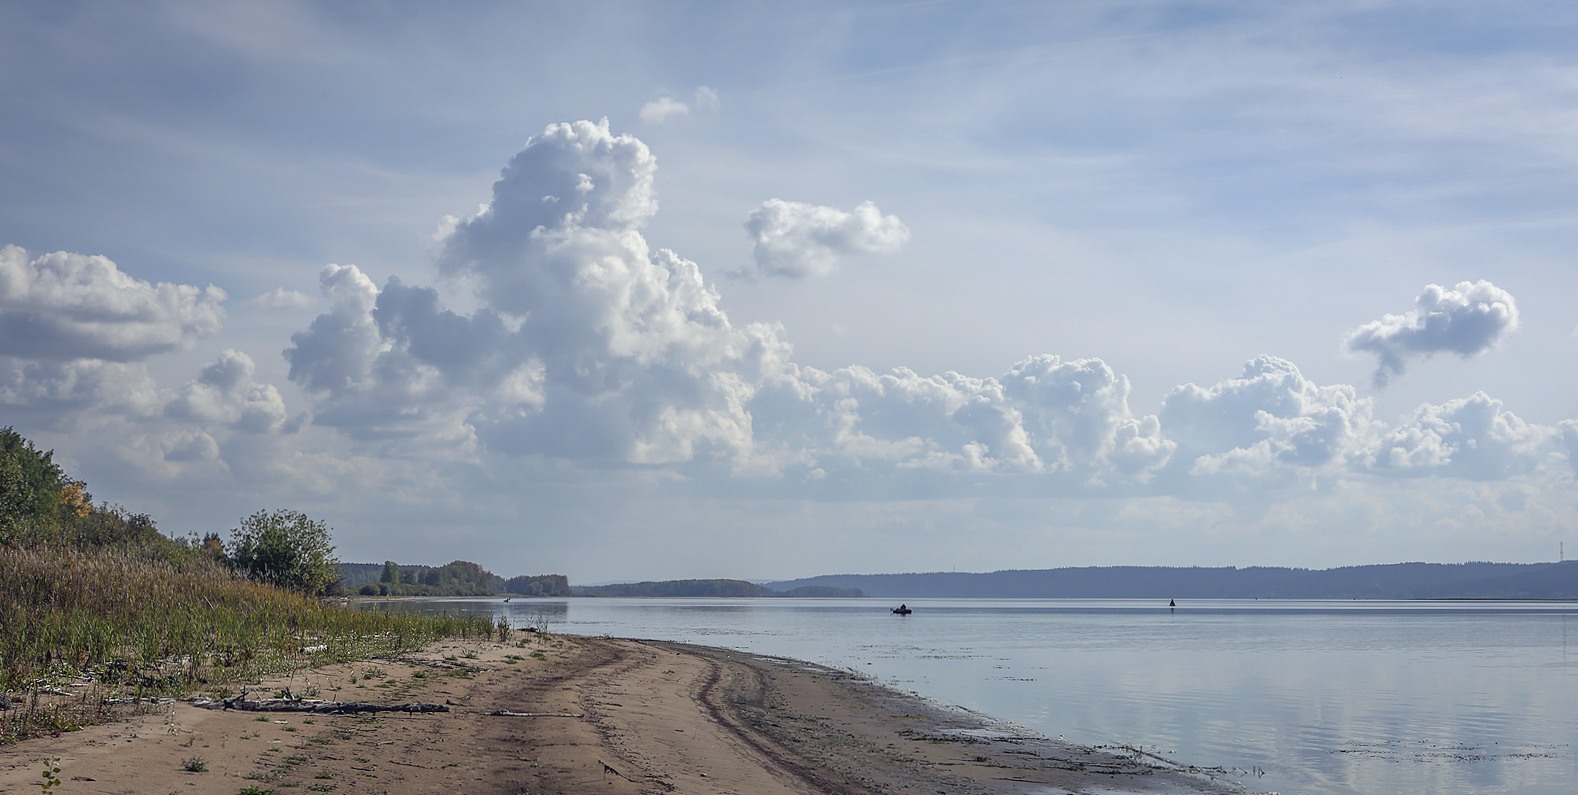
(457, 578)
(722, 588)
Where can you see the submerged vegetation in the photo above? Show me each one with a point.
(100, 612)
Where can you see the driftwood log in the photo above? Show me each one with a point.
(508, 714)
(240, 702)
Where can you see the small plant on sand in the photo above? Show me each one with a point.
(51, 775)
(195, 764)
(255, 790)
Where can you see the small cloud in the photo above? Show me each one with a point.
(1466, 320)
(706, 98)
(795, 240)
(665, 107)
(662, 109)
(280, 298)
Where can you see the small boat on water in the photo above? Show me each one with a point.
(902, 610)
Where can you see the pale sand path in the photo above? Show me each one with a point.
(645, 717)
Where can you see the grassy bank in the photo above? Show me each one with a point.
(106, 625)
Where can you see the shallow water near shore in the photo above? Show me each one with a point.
(1318, 697)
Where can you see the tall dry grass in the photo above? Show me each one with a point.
(142, 626)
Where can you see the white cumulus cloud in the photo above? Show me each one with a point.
(1269, 416)
(281, 298)
(226, 394)
(666, 107)
(795, 240)
(588, 346)
(1466, 320)
(65, 306)
(1472, 437)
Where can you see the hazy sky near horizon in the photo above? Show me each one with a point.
(630, 290)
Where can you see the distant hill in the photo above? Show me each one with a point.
(709, 588)
(1392, 581)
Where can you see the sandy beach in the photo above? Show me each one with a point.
(585, 715)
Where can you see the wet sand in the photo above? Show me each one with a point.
(588, 715)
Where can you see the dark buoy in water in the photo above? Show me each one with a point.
(1171, 605)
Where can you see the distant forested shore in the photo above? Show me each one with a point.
(1388, 581)
(457, 578)
(711, 588)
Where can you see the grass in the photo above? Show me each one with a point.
(138, 627)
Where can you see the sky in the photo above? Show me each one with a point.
(765, 290)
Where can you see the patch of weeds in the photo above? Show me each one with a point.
(194, 764)
(292, 729)
(420, 675)
(295, 760)
(309, 721)
(261, 719)
(255, 790)
(470, 654)
(324, 774)
(321, 787)
(361, 759)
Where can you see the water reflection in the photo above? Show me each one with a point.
(1325, 697)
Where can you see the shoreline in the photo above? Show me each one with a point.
(589, 714)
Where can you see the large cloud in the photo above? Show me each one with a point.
(65, 306)
(1465, 320)
(58, 394)
(1472, 437)
(1269, 416)
(1066, 420)
(795, 240)
(225, 393)
(588, 346)
(591, 347)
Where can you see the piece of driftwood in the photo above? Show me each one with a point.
(241, 703)
(508, 714)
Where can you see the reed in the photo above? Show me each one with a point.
(134, 626)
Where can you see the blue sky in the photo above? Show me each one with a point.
(845, 287)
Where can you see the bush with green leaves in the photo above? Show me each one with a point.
(285, 548)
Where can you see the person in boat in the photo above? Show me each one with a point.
(903, 610)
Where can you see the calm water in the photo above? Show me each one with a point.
(1377, 698)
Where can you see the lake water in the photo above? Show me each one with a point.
(1305, 697)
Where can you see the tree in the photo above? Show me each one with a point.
(287, 549)
(31, 491)
(391, 572)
